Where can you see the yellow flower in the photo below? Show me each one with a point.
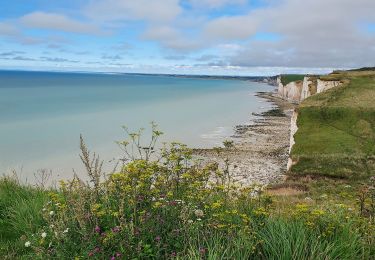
(216, 204)
(157, 204)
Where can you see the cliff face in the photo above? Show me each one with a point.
(292, 91)
(299, 90)
(309, 87)
(293, 131)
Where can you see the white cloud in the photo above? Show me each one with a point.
(313, 33)
(53, 21)
(8, 29)
(229, 28)
(122, 10)
(171, 38)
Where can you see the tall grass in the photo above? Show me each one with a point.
(20, 208)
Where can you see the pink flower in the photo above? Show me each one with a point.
(116, 229)
(202, 251)
(118, 254)
(113, 258)
(97, 229)
(97, 249)
(158, 238)
(91, 253)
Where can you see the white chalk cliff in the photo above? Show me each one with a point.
(300, 90)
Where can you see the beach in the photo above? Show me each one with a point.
(261, 149)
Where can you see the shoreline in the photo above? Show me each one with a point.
(261, 149)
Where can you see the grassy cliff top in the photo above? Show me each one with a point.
(336, 135)
(288, 78)
(357, 91)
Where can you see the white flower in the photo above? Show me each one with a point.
(52, 226)
(198, 213)
(50, 244)
(308, 199)
(190, 221)
(27, 244)
(44, 234)
(51, 213)
(254, 194)
(44, 209)
(66, 231)
(199, 219)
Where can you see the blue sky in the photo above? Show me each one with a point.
(235, 37)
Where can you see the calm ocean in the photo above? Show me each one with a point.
(42, 114)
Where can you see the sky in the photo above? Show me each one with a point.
(220, 37)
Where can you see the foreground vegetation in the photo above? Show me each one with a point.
(166, 205)
(336, 129)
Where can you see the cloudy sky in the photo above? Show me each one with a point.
(239, 37)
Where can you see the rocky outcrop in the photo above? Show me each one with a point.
(309, 87)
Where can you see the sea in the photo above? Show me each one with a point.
(43, 114)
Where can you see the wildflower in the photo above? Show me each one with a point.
(66, 231)
(51, 213)
(97, 229)
(116, 229)
(308, 199)
(199, 213)
(50, 244)
(190, 221)
(347, 186)
(52, 226)
(44, 235)
(202, 251)
(97, 249)
(113, 258)
(118, 255)
(254, 194)
(44, 209)
(199, 219)
(158, 238)
(91, 253)
(27, 244)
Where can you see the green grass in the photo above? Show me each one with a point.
(20, 208)
(336, 130)
(287, 78)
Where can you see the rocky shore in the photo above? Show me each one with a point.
(260, 152)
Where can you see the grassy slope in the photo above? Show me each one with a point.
(336, 135)
(19, 213)
(287, 78)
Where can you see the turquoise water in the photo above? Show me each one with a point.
(42, 114)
